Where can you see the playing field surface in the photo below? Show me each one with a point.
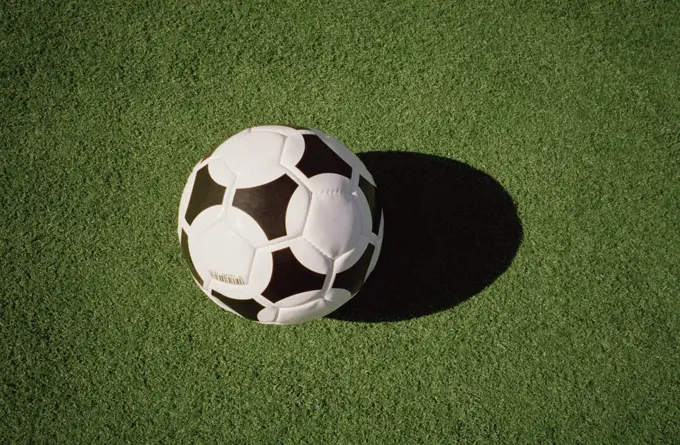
(529, 161)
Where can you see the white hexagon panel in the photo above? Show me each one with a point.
(280, 225)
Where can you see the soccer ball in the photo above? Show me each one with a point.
(280, 225)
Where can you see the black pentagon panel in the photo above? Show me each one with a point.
(245, 308)
(320, 158)
(371, 194)
(267, 204)
(187, 258)
(206, 193)
(353, 278)
(290, 277)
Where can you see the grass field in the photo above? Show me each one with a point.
(571, 110)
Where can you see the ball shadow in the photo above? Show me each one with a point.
(450, 231)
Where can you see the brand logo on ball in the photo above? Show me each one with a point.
(227, 278)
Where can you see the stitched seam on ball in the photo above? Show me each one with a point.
(331, 192)
(309, 206)
(318, 249)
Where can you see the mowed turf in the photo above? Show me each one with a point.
(573, 109)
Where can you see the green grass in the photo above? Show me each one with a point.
(571, 106)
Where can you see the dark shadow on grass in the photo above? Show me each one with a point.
(450, 231)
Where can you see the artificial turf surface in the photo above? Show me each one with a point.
(572, 107)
